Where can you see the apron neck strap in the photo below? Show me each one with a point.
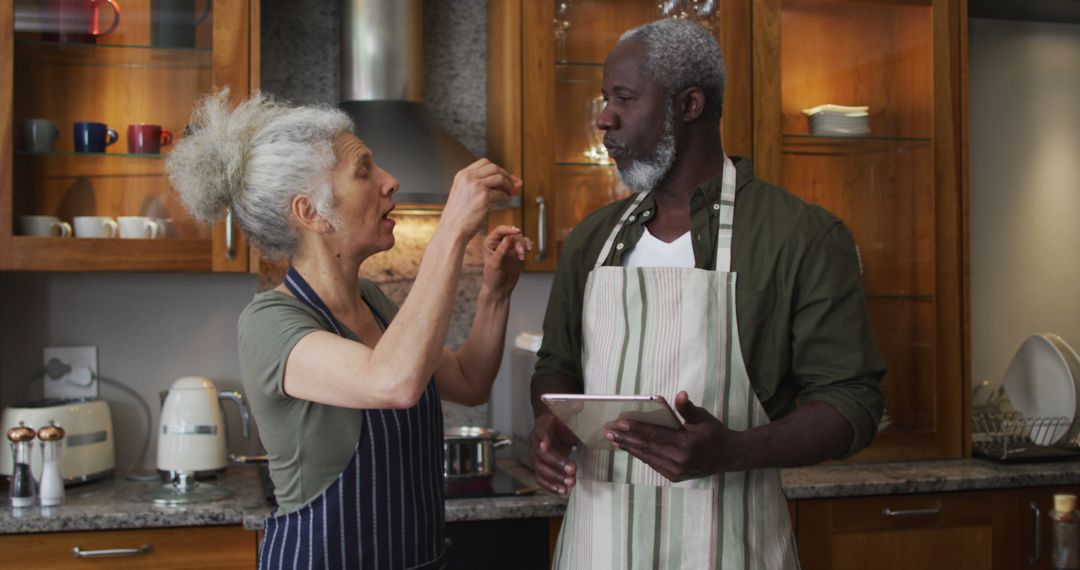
(727, 215)
(604, 251)
(303, 291)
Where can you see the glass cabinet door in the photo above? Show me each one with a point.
(101, 91)
(879, 161)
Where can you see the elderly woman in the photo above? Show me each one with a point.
(345, 386)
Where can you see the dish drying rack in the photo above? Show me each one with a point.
(1009, 437)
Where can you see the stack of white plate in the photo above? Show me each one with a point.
(1042, 384)
(833, 120)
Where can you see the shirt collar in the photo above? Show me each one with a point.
(705, 196)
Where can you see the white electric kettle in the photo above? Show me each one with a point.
(191, 439)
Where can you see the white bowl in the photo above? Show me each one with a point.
(1040, 385)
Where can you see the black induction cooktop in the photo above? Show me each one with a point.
(500, 485)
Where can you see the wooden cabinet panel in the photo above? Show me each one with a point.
(904, 532)
(205, 548)
(1031, 525)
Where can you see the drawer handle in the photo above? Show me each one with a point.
(112, 552)
(911, 512)
(541, 228)
(1038, 531)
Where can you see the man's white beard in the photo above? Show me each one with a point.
(644, 174)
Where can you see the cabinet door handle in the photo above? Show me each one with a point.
(112, 552)
(1038, 532)
(541, 225)
(911, 512)
(230, 247)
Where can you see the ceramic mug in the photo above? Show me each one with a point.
(95, 227)
(147, 139)
(94, 137)
(173, 22)
(79, 20)
(44, 226)
(138, 227)
(39, 135)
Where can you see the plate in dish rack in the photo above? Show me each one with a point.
(1041, 385)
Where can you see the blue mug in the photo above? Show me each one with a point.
(94, 137)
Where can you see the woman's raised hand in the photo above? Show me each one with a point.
(475, 189)
(504, 256)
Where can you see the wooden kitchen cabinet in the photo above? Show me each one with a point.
(127, 77)
(900, 189)
(1004, 529)
(959, 531)
(542, 96)
(206, 548)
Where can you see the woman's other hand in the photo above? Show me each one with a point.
(475, 189)
(504, 256)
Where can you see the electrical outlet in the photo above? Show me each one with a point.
(73, 372)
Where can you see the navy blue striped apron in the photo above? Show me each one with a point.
(385, 510)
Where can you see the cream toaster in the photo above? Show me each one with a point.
(88, 453)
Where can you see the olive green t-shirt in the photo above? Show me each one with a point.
(308, 444)
(803, 324)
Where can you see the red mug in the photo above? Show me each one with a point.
(147, 139)
(79, 20)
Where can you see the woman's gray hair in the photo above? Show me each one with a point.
(255, 158)
(681, 54)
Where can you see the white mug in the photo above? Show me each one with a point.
(44, 226)
(95, 227)
(138, 227)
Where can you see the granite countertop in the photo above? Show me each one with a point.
(115, 504)
(831, 481)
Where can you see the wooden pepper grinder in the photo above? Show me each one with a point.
(22, 480)
(51, 492)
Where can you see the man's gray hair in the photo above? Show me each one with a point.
(255, 158)
(682, 54)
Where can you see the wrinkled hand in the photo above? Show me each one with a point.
(476, 187)
(504, 256)
(704, 447)
(549, 446)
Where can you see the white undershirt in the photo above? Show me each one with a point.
(652, 252)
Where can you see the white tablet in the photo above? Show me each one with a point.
(587, 414)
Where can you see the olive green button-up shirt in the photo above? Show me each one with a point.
(802, 318)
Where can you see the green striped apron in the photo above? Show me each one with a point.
(659, 330)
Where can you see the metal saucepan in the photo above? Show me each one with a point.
(469, 452)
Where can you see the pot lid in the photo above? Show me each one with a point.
(461, 433)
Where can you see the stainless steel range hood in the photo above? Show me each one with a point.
(382, 89)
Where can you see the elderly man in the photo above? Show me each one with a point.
(776, 368)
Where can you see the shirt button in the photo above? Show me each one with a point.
(619, 247)
(645, 213)
(632, 218)
(716, 206)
